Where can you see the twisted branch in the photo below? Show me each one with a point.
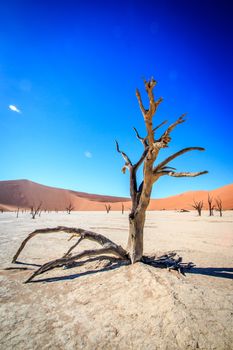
(166, 138)
(153, 105)
(182, 174)
(187, 174)
(175, 155)
(79, 232)
(67, 260)
(128, 163)
(142, 139)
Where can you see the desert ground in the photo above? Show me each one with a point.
(97, 306)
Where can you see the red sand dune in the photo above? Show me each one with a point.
(24, 194)
(185, 200)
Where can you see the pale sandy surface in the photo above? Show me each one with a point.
(131, 307)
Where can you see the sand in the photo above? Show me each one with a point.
(25, 194)
(131, 307)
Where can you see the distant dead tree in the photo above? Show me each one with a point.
(140, 196)
(219, 206)
(122, 208)
(69, 208)
(108, 208)
(210, 205)
(17, 213)
(198, 206)
(35, 210)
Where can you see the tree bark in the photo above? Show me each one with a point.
(135, 238)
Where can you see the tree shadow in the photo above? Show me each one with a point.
(169, 261)
(220, 272)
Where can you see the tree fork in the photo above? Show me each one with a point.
(140, 195)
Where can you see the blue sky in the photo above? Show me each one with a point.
(72, 67)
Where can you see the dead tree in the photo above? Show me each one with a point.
(17, 213)
(140, 196)
(122, 208)
(219, 206)
(69, 208)
(210, 205)
(108, 208)
(198, 206)
(35, 210)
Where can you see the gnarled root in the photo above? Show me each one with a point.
(169, 261)
(109, 247)
(77, 232)
(68, 260)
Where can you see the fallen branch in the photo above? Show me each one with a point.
(78, 232)
(68, 260)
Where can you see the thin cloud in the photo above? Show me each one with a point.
(88, 154)
(14, 109)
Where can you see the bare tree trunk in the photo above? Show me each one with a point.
(140, 195)
(135, 237)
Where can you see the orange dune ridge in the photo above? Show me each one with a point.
(25, 193)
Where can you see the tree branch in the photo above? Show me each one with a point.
(67, 260)
(140, 102)
(183, 174)
(149, 85)
(141, 160)
(78, 232)
(159, 126)
(128, 163)
(142, 139)
(149, 113)
(175, 155)
(73, 246)
(165, 138)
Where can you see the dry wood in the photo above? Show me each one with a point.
(198, 206)
(69, 208)
(67, 260)
(78, 232)
(35, 210)
(210, 205)
(140, 194)
(219, 206)
(171, 261)
(108, 208)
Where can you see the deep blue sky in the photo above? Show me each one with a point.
(71, 68)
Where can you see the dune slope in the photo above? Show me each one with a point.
(25, 193)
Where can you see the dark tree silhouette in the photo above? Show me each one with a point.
(108, 208)
(219, 206)
(69, 208)
(35, 210)
(198, 206)
(210, 205)
(140, 196)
